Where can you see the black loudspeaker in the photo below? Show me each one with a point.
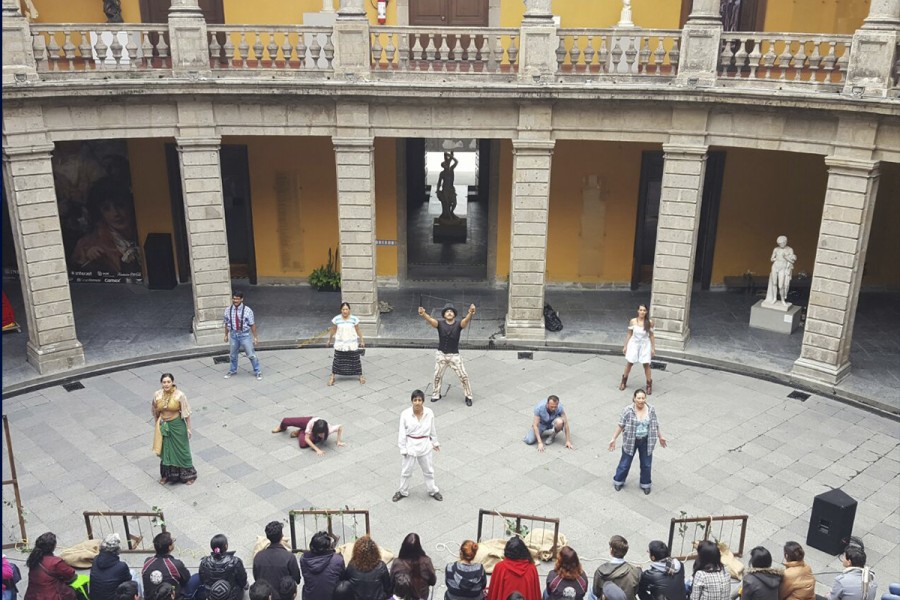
(831, 522)
(160, 261)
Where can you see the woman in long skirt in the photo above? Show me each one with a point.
(171, 440)
(348, 339)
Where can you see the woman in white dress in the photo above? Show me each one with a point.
(640, 346)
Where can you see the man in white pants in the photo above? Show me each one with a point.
(416, 439)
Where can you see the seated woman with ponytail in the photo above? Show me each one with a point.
(48, 576)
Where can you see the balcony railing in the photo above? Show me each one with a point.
(84, 48)
(251, 48)
(617, 53)
(784, 59)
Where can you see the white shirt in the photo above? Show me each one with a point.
(412, 428)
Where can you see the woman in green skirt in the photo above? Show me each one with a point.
(171, 441)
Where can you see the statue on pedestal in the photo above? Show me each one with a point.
(625, 17)
(446, 190)
(113, 11)
(783, 259)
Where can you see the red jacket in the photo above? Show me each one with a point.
(50, 580)
(514, 576)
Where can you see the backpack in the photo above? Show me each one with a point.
(552, 321)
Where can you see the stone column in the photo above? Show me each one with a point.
(532, 160)
(204, 215)
(872, 50)
(34, 216)
(355, 162)
(537, 41)
(700, 41)
(838, 270)
(188, 39)
(18, 55)
(676, 243)
(352, 58)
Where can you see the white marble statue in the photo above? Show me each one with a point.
(625, 17)
(783, 259)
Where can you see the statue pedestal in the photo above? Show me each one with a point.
(775, 317)
(450, 231)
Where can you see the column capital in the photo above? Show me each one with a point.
(213, 142)
(674, 150)
(353, 142)
(706, 12)
(521, 146)
(538, 12)
(839, 163)
(185, 8)
(352, 10)
(11, 9)
(883, 14)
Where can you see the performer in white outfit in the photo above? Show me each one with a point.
(640, 346)
(416, 439)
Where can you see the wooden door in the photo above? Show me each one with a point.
(449, 13)
(157, 11)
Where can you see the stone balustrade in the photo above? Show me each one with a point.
(488, 50)
(617, 52)
(785, 59)
(80, 49)
(267, 47)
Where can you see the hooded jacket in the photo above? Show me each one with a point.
(798, 582)
(514, 576)
(623, 574)
(321, 573)
(761, 584)
(369, 585)
(663, 580)
(107, 573)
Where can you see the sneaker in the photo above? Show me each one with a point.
(433, 399)
(397, 497)
(550, 438)
(259, 376)
(437, 496)
(229, 374)
(618, 486)
(468, 401)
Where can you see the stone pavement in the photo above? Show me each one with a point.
(736, 445)
(121, 324)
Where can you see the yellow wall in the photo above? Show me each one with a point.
(386, 205)
(764, 195)
(661, 14)
(82, 11)
(883, 256)
(593, 256)
(816, 16)
(150, 187)
(504, 209)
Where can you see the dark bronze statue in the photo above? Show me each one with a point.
(446, 190)
(113, 11)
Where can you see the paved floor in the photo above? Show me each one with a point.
(737, 445)
(122, 323)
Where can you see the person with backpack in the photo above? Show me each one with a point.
(223, 569)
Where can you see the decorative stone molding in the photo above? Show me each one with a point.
(352, 10)
(538, 12)
(188, 39)
(18, 54)
(872, 54)
(676, 243)
(537, 41)
(350, 37)
(837, 274)
(700, 39)
(34, 218)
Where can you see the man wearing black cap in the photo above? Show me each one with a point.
(447, 354)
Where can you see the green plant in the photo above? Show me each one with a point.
(511, 529)
(327, 277)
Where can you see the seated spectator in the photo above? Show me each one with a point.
(566, 581)
(108, 571)
(761, 581)
(287, 589)
(664, 578)
(128, 591)
(223, 565)
(711, 581)
(163, 568)
(465, 579)
(403, 588)
(48, 576)
(798, 582)
(11, 578)
(617, 571)
(857, 582)
(412, 561)
(515, 573)
(367, 575)
(611, 591)
(893, 592)
(165, 591)
(275, 562)
(321, 568)
(261, 590)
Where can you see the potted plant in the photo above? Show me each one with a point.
(327, 278)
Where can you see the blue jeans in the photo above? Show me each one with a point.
(640, 448)
(238, 341)
(529, 437)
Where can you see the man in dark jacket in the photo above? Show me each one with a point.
(617, 571)
(664, 578)
(275, 562)
(108, 570)
(163, 568)
(321, 568)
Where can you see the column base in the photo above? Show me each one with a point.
(818, 372)
(368, 324)
(525, 330)
(666, 340)
(54, 358)
(209, 333)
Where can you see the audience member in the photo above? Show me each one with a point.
(275, 562)
(223, 565)
(48, 576)
(617, 570)
(857, 582)
(664, 578)
(761, 581)
(261, 590)
(403, 588)
(798, 582)
(711, 580)
(163, 568)
(465, 579)
(128, 591)
(367, 574)
(611, 591)
(165, 591)
(515, 573)
(321, 568)
(893, 592)
(566, 581)
(108, 571)
(412, 561)
(287, 588)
